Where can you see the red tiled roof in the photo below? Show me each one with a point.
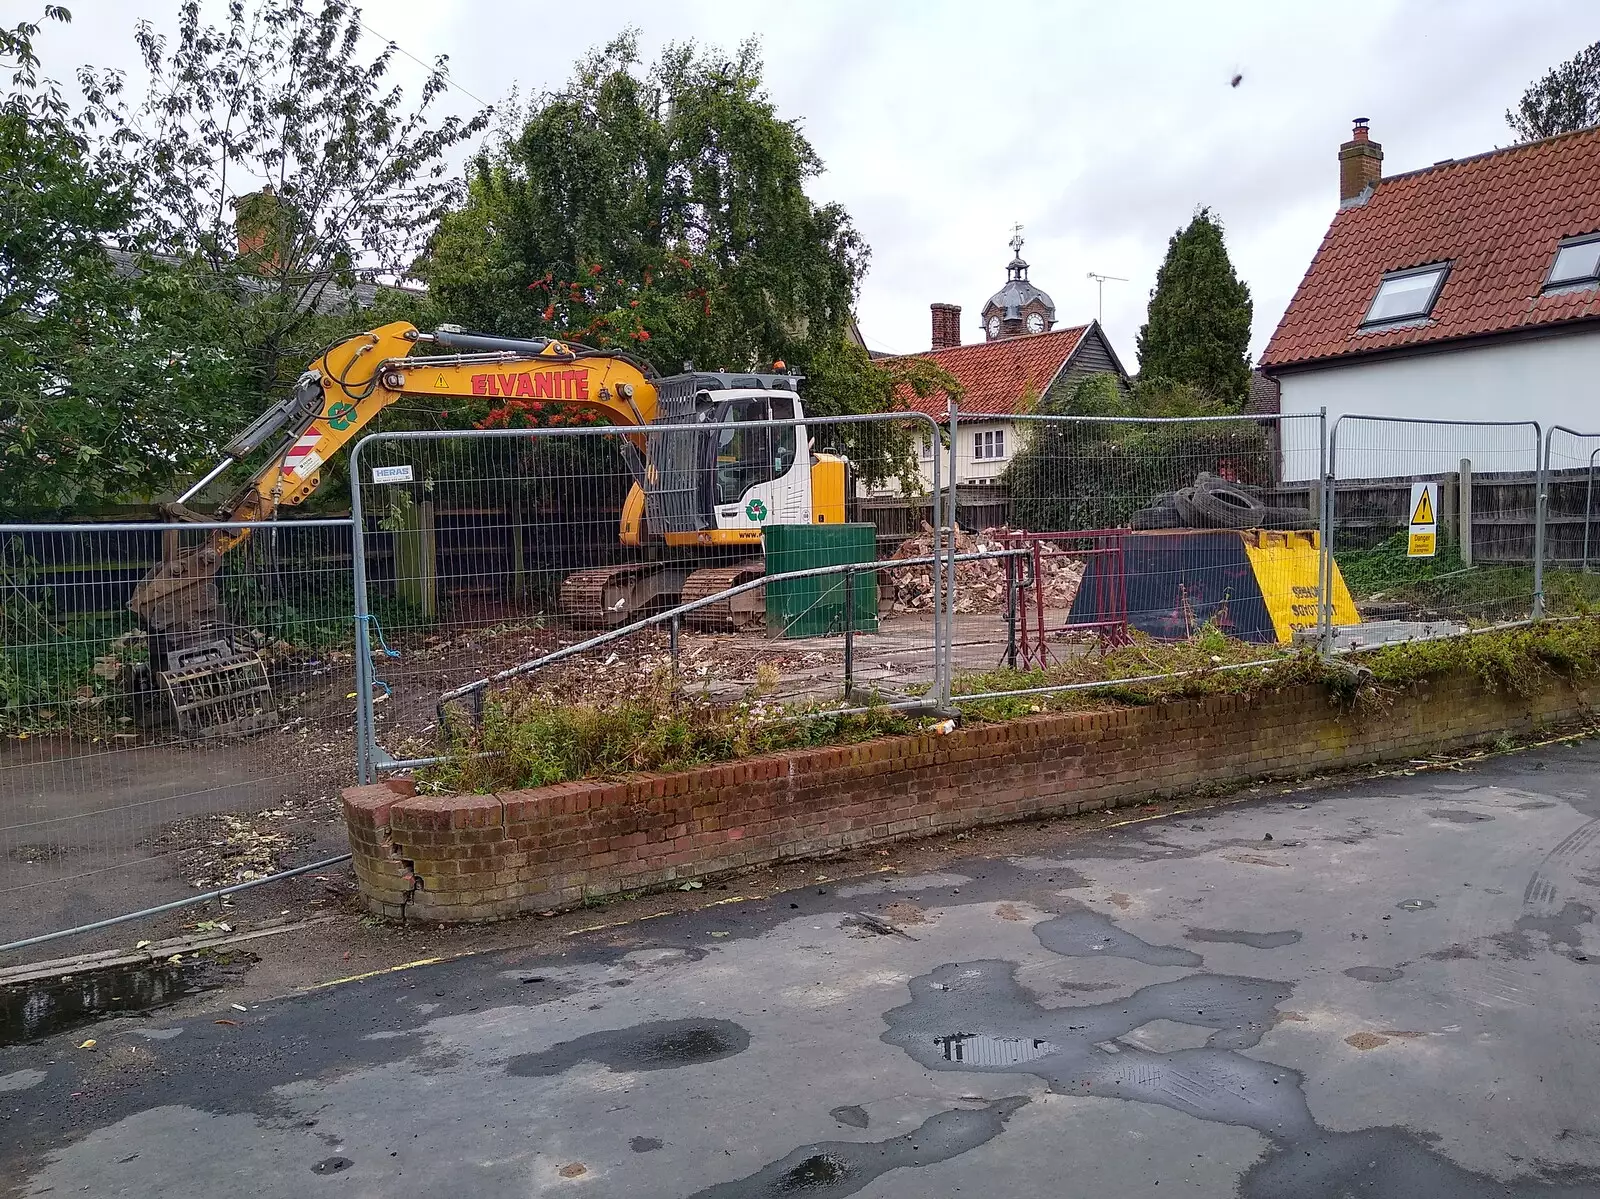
(1496, 218)
(995, 375)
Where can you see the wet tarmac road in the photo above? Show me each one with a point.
(1396, 995)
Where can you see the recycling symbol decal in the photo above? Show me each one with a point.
(756, 510)
(341, 415)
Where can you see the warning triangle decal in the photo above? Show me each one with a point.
(439, 382)
(1424, 513)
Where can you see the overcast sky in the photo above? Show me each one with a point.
(1098, 127)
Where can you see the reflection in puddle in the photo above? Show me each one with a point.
(980, 1049)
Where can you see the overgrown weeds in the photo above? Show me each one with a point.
(528, 738)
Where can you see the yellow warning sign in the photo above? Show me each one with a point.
(1422, 514)
(1423, 541)
(440, 382)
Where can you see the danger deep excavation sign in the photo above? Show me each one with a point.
(1424, 539)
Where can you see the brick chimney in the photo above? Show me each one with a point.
(946, 325)
(260, 225)
(1360, 163)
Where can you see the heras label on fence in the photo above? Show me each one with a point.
(392, 474)
(1424, 539)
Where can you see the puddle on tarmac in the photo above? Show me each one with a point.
(1457, 816)
(1089, 1056)
(980, 1049)
(1374, 974)
(1414, 905)
(836, 1168)
(1085, 934)
(855, 1116)
(1231, 936)
(658, 1045)
(816, 1171)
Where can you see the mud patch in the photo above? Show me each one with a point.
(1121, 900)
(902, 912)
(853, 1116)
(1008, 911)
(1374, 974)
(1534, 805)
(1452, 953)
(658, 1045)
(834, 1168)
(1365, 1040)
(1231, 936)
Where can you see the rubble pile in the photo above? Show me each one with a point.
(980, 584)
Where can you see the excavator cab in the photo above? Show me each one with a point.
(718, 484)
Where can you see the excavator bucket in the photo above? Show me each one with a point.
(219, 691)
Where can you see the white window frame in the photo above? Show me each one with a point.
(988, 445)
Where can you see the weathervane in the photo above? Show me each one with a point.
(1016, 240)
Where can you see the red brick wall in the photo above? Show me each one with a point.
(474, 857)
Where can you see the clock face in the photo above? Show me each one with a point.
(1035, 323)
(994, 326)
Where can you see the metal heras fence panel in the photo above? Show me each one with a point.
(527, 569)
(1480, 560)
(202, 745)
(1570, 516)
(1126, 528)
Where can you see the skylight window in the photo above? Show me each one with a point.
(1406, 295)
(1576, 262)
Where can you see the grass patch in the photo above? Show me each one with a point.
(1445, 586)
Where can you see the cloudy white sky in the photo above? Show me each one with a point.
(1099, 127)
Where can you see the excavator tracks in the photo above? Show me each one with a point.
(742, 611)
(613, 595)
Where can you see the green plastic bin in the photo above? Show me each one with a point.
(814, 607)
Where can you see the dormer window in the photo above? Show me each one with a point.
(1577, 263)
(1406, 295)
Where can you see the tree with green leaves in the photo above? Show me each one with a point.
(92, 402)
(1565, 100)
(279, 173)
(1198, 328)
(662, 209)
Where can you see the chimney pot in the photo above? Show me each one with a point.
(1360, 163)
(946, 325)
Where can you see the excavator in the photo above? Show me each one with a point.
(692, 518)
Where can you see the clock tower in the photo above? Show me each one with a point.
(1019, 308)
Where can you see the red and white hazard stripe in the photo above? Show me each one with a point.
(302, 459)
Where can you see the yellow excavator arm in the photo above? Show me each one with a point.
(340, 395)
(359, 377)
